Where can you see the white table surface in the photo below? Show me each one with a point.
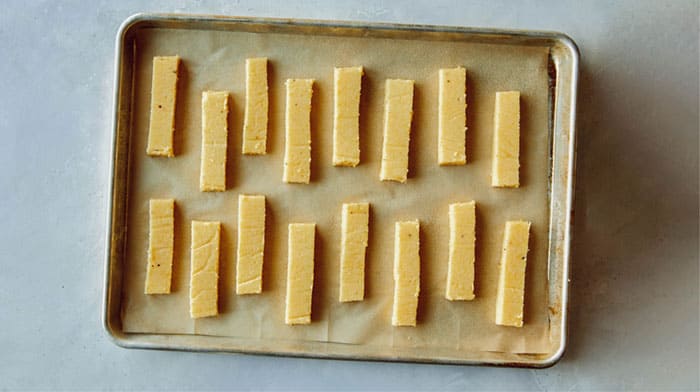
(634, 302)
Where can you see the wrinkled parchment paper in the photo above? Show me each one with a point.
(215, 60)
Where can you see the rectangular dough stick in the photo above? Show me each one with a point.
(160, 246)
(256, 107)
(452, 116)
(214, 141)
(251, 244)
(511, 279)
(506, 140)
(163, 97)
(398, 112)
(297, 149)
(460, 267)
(300, 273)
(204, 269)
(346, 116)
(353, 244)
(406, 273)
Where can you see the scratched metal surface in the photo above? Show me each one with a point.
(563, 58)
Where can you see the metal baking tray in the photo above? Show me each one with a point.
(563, 78)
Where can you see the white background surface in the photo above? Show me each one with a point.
(634, 306)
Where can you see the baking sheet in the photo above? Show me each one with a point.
(216, 60)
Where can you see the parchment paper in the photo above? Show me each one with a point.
(215, 60)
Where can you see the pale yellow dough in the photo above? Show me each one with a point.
(204, 269)
(251, 244)
(297, 149)
(460, 267)
(506, 140)
(300, 272)
(452, 116)
(161, 225)
(398, 113)
(163, 97)
(256, 107)
(214, 141)
(406, 273)
(353, 246)
(346, 116)
(511, 278)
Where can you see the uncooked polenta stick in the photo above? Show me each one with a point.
(300, 273)
(353, 244)
(398, 112)
(204, 269)
(506, 140)
(163, 97)
(256, 107)
(160, 246)
(406, 273)
(297, 149)
(511, 279)
(346, 116)
(251, 244)
(214, 141)
(460, 267)
(452, 116)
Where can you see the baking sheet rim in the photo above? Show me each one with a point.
(568, 45)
